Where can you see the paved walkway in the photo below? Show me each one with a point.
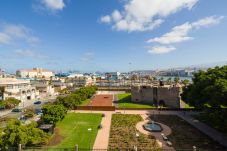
(102, 139)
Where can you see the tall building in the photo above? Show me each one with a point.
(35, 73)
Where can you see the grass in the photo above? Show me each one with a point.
(124, 101)
(187, 106)
(73, 129)
(123, 134)
(86, 102)
(184, 136)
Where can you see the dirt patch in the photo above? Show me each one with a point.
(102, 100)
(56, 139)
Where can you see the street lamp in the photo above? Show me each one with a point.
(136, 147)
(89, 132)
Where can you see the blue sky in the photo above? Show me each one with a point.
(111, 35)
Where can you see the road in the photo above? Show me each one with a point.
(27, 104)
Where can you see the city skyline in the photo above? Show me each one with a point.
(111, 36)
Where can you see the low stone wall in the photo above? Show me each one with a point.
(96, 108)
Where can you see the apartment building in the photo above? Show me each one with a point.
(35, 73)
(19, 89)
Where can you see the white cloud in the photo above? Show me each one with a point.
(208, 21)
(105, 19)
(161, 49)
(29, 53)
(88, 56)
(4, 38)
(12, 32)
(180, 33)
(53, 5)
(143, 15)
(116, 15)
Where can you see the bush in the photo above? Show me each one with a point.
(53, 113)
(29, 113)
(77, 97)
(10, 103)
(15, 133)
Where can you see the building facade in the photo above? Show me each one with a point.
(168, 95)
(44, 87)
(18, 89)
(35, 73)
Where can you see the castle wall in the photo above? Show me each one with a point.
(168, 95)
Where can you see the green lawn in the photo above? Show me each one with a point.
(73, 129)
(124, 101)
(187, 106)
(86, 102)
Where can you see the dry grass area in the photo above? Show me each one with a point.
(184, 136)
(123, 134)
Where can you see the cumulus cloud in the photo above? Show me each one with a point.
(161, 49)
(180, 33)
(143, 15)
(12, 32)
(105, 19)
(53, 4)
(50, 7)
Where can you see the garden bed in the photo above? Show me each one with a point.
(123, 134)
(185, 136)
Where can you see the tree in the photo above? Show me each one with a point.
(53, 113)
(185, 82)
(176, 79)
(208, 87)
(15, 133)
(11, 103)
(2, 90)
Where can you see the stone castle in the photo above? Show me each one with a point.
(163, 95)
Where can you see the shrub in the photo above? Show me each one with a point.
(15, 133)
(10, 103)
(77, 97)
(53, 113)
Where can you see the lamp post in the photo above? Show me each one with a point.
(89, 133)
(136, 146)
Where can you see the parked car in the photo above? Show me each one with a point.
(37, 102)
(16, 110)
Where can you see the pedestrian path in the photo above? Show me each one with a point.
(214, 134)
(102, 138)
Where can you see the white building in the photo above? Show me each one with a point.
(75, 75)
(44, 87)
(82, 81)
(35, 73)
(19, 89)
